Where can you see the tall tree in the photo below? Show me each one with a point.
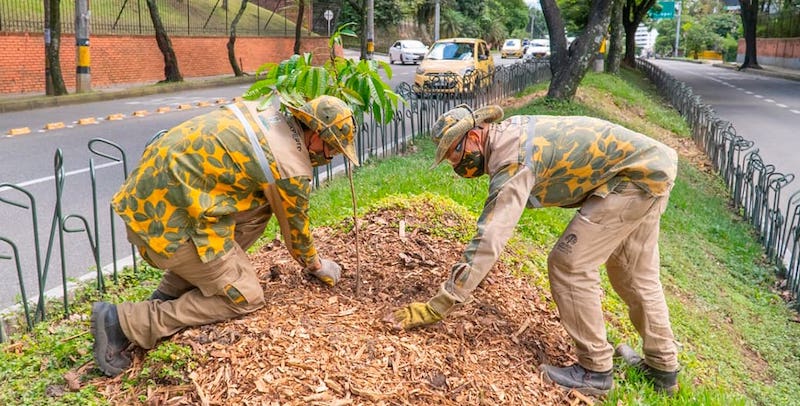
(569, 65)
(616, 38)
(632, 14)
(59, 88)
(237, 70)
(749, 20)
(171, 71)
(298, 25)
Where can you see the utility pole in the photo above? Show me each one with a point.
(370, 28)
(436, 22)
(678, 29)
(83, 77)
(532, 17)
(48, 79)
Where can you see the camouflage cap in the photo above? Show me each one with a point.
(453, 125)
(333, 120)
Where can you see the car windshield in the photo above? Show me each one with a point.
(413, 44)
(451, 51)
(511, 43)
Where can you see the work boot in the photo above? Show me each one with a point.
(159, 295)
(109, 340)
(578, 378)
(663, 381)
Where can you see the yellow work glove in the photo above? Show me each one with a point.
(329, 273)
(414, 315)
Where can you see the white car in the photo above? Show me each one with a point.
(407, 50)
(538, 49)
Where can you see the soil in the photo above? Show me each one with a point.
(315, 345)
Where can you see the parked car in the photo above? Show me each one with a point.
(538, 49)
(407, 50)
(512, 48)
(454, 65)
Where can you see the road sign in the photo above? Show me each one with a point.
(328, 15)
(667, 11)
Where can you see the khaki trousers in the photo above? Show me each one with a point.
(620, 230)
(206, 292)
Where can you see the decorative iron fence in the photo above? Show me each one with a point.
(374, 140)
(785, 24)
(755, 186)
(185, 17)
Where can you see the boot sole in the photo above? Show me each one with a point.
(100, 346)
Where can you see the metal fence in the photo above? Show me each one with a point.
(755, 186)
(785, 24)
(183, 17)
(374, 140)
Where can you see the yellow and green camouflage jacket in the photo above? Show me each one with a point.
(191, 180)
(543, 161)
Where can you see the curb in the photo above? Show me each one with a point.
(763, 72)
(37, 102)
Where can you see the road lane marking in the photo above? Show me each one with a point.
(758, 96)
(52, 177)
(782, 105)
(795, 111)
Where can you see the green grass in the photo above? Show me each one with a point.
(738, 346)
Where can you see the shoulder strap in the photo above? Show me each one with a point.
(271, 192)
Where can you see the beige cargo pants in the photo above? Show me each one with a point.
(207, 292)
(620, 230)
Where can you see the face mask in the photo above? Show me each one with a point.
(471, 165)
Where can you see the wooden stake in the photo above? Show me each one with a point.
(355, 227)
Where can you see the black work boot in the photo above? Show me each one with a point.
(578, 378)
(109, 340)
(159, 295)
(663, 381)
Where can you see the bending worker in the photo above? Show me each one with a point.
(201, 195)
(621, 181)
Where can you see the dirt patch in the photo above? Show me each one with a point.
(317, 345)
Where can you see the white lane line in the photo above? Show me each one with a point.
(749, 92)
(49, 178)
(782, 105)
(769, 100)
(758, 96)
(795, 111)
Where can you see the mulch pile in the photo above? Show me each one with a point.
(314, 345)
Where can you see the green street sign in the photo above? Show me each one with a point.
(667, 11)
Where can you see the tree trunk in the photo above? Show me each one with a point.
(237, 70)
(298, 25)
(569, 66)
(632, 15)
(171, 71)
(749, 21)
(616, 39)
(53, 51)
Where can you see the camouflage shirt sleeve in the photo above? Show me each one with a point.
(508, 194)
(294, 198)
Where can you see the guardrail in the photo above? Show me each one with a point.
(374, 140)
(755, 186)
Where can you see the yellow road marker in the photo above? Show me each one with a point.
(184, 106)
(54, 126)
(162, 109)
(139, 113)
(19, 131)
(203, 104)
(117, 116)
(87, 120)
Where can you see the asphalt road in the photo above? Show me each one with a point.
(763, 109)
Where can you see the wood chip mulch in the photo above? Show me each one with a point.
(314, 345)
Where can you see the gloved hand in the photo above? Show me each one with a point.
(413, 315)
(329, 273)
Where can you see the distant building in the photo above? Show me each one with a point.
(646, 39)
(731, 5)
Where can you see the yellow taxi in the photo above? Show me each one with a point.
(454, 65)
(512, 48)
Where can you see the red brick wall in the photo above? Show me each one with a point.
(774, 47)
(137, 59)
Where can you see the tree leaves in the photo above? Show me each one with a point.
(296, 80)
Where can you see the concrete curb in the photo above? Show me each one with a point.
(763, 72)
(41, 101)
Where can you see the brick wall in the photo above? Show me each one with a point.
(782, 52)
(137, 59)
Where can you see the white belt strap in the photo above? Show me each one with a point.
(262, 159)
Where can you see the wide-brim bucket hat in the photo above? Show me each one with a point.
(453, 125)
(333, 120)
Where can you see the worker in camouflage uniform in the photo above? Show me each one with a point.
(621, 181)
(201, 195)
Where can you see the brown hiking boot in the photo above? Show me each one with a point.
(110, 342)
(663, 381)
(578, 378)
